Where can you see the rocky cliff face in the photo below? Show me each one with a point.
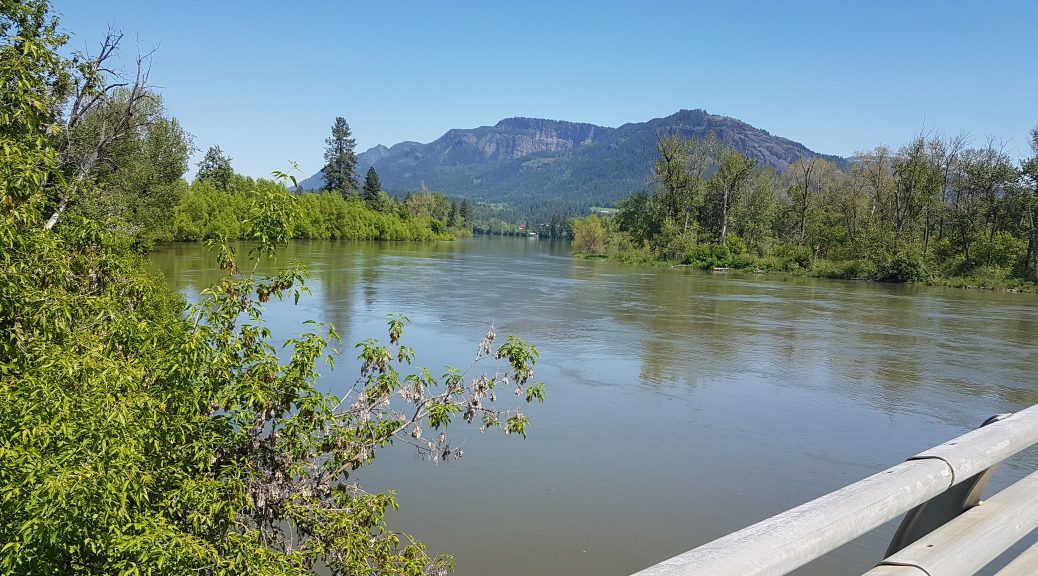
(514, 138)
(377, 153)
(536, 158)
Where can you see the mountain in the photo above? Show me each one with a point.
(529, 159)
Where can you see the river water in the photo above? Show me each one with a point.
(681, 405)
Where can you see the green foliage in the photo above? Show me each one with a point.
(794, 257)
(902, 267)
(640, 215)
(374, 197)
(589, 236)
(725, 187)
(708, 256)
(207, 212)
(140, 184)
(1002, 250)
(136, 438)
(215, 168)
(35, 76)
(340, 168)
(933, 208)
(465, 211)
(845, 269)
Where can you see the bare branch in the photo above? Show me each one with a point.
(98, 93)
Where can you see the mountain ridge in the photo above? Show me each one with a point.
(534, 158)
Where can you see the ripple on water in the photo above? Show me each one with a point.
(681, 405)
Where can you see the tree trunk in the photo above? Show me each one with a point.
(82, 172)
(62, 205)
(724, 217)
(991, 239)
(926, 231)
(1033, 246)
(803, 218)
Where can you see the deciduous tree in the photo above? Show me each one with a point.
(1029, 171)
(589, 236)
(102, 110)
(135, 439)
(727, 183)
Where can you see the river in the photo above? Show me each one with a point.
(681, 405)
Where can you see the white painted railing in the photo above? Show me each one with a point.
(960, 547)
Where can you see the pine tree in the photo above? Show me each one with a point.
(215, 167)
(341, 161)
(452, 217)
(373, 190)
(465, 212)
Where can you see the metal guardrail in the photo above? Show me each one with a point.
(937, 542)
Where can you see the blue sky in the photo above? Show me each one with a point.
(265, 80)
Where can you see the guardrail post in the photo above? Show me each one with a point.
(937, 511)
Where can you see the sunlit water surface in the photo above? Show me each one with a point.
(681, 405)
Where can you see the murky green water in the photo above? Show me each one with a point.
(682, 405)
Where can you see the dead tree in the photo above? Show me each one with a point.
(113, 101)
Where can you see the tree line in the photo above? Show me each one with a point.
(936, 210)
(135, 182)
(210, 207)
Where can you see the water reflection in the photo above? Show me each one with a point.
(682, 405)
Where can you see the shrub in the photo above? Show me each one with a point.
(795, 257)
(845, 269)
(742, 262)
(735, 244)
(902, 267)
(708, 256)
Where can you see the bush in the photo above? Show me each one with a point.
(589, 236)
(206, 212)
(902, 267)
(742, 262)
(943, 250)
(795, 257)
(708, 256)
(735, 244)
(845, 269)
(992, 272)
(772, 264)
(1003, 250)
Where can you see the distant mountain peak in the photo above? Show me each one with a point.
(522, 158)
(517, 122)
(524, 123)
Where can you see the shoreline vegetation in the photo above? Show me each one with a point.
(142, 434)
(934, 212)
(825, 271)
(205, 212)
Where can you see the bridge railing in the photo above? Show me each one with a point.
(965, 542)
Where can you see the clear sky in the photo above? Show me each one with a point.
(265, 80)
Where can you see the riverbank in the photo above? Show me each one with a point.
(896, 271)
(815, 382)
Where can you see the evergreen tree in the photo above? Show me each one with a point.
(373, 190)
(216, 168)
(340, 160)
(465, 212)
(452, 217)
